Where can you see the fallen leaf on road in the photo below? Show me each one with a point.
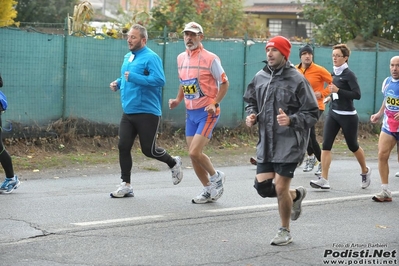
(381, 226)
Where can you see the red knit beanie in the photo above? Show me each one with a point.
(281, 44)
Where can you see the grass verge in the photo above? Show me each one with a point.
(70, 148)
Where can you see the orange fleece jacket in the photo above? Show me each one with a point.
(317, 76)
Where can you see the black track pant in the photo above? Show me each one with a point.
(349, 125)
(314, 146)
(5, 158)
(146, 127)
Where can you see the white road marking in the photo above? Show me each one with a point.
(232, 209)
(305, 202)
(122, 220)
(264, 206)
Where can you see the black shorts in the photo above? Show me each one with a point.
(283, 169)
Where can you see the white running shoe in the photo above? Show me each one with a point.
(318, 171)
(204, 197)
(219, 180)
(122, 191)
(320, 183)
(366, 178)
(310, 163)
(283, 237)
(177, 173)
(384, 195)
(306, 164)
(217, 184)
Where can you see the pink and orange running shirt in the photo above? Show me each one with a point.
(200, 74)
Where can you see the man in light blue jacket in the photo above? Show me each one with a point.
(140, 86)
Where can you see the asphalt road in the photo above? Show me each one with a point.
(73, 221)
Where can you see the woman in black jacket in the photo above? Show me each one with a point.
(342, 115)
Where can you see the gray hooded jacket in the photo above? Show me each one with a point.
(287, 89)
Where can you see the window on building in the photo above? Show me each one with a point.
(290, 28)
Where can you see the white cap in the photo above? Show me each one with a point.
(193, 27)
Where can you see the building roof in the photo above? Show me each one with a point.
(274, 9)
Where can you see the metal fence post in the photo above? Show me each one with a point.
(65, 68)
(165, 39)
(375, 76)
(244, 70)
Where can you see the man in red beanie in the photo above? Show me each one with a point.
(283, 104)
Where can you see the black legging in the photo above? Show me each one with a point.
(146, 126)
(5, 158)
(349, 125)
(313, 145)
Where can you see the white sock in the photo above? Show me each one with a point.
(215, 175)
(384, 186)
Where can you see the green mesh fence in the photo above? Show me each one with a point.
(48, 77)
